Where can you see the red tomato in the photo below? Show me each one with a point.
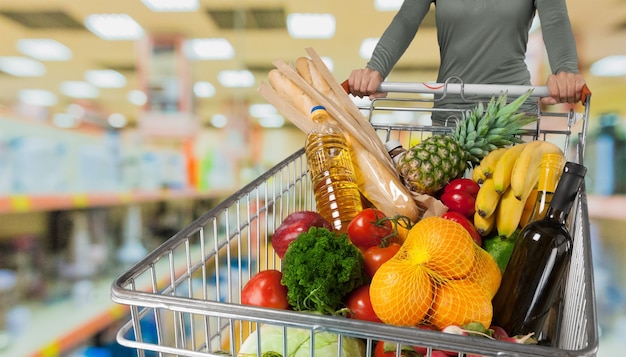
(369, 228)
(459, 201)
(466, 223)
(462, 184)
(375, 257)
(360, 305)
(265, 290)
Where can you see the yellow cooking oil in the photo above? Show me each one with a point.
(332, 173)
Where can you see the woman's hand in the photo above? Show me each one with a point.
(365, 82)
(564, 87)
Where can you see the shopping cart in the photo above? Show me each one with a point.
(184, 296)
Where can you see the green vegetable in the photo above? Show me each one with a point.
(320, 268)
(299, 343)
(501, 248)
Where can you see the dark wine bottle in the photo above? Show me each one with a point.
(538, 263)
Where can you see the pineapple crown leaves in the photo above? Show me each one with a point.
(493, 126)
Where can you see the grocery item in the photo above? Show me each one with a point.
(439, 276)
(509, 213)
(549, 175)
(500, 248)
(525, 172)
(320, 269)
(504, 169)
(488, 163)
(295, 223)
(503, 199)
(334, 183)
(432, 163)
(538, 262)
(484, 225)
(293, 91)
(272, 341)
(487, 199)
(395, 149)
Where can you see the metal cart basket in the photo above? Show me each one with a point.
(184, 296)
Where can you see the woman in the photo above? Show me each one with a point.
(480, 42)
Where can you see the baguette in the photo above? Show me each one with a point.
(290, 91)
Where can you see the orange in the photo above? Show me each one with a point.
(486, 272)
(443, 246)
(401, 293)
(458, 302)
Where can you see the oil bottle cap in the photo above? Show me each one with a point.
(317, 107)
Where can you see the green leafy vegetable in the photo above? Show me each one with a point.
(299, 343)
(320, 268)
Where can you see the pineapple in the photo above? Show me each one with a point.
(429, 165)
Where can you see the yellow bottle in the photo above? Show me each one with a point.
(549, 175)
(337, 195)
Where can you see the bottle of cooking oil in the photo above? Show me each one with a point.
(551, 168)
(337, 196)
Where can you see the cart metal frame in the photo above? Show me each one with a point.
(184, 295)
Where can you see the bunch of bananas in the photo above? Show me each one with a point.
(508, 177)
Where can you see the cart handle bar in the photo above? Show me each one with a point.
(461, 88)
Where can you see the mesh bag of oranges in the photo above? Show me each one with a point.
(440, 277)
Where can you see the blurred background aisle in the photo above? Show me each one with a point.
(123, 120)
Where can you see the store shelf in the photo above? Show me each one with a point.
(52, 329)
(34, 203)
(607, 207)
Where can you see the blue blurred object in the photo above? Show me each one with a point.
(148, 334)
(604, 183)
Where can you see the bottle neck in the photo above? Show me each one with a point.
(548, 180)
(551, 168)
(557, 215)
(566, 191)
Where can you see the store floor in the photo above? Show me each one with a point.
(609, 247)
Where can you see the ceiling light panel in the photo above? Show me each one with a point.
(171, 5)
(79, 89)
(367, 47)
(105, 78)
(44, 49)
(321, 26)
(236, 79)
(117, 120)
(209, 49)
(387, 5)
(272, 121)
(203, 90)
(611, 66)
(22, 66)
(114, 27)
(137, 97)
(219, 120)
(37, 97)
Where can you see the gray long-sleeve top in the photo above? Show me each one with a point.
(481, 41)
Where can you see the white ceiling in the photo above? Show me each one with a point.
(600, 27)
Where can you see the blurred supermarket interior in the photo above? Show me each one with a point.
(123, 120)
